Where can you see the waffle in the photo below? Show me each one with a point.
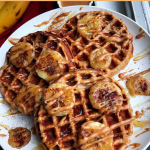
(98, 40)
(61, 132)
(24, 66)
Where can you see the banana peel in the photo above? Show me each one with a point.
(10, 13)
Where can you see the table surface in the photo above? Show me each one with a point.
(53, 6)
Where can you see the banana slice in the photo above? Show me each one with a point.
(22, 54)
(27, 97)
(105, 96)
(88, 25)
(138, 85)
(58, 99)
(95, 136)
(100, 59)
(19, 137)
(50, 65)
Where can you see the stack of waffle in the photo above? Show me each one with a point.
(66, 80)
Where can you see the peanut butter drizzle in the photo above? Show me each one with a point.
(140, 29)
(19, 47)
(148, 108)
(3, 101)
(3, 135)
(80, 8)
(146, 130)
(135, 145)
(117, 39)
(140, 35)
(58, 22)
(123, 77)
(46, 22)
(140, 57)
(13, 41)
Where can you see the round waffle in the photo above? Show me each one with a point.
(98, 40)
(61, 132)
(29, 62)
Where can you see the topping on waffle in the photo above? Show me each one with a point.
(138, 85)
(22, 54)
(58, 100)
(94, 136)
(27, 97)
(105, 96)
(99, 40)
(61, 132)
(50, 65)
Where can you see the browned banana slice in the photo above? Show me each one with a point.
(22, 54)
(88, 25)
(100, 58)
(50, 65)
(105, 96)
(19, 137)
(58, 100)
(94, 136)
(138, 85)
(27, 97)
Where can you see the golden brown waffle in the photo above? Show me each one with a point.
(61, 132)
(20, 69)
(98, 40)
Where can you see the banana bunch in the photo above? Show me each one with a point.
(10, 13)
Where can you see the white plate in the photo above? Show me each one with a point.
(139, 45)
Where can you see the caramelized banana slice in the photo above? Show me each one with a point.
(50, 65)
(58, 99)
(99, 59)
(105, 96)
(27, 97)
(95, 136)
(88, 25)
(138, 85)
(19, 137)
(22, 54)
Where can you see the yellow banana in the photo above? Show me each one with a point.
(11, 13)
(2, 3)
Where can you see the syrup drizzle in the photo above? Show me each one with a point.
(3, 101)
(140, 57)
(142, 51)
(142, 123)
(39, 147)
(141, 103)
(10, 112)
